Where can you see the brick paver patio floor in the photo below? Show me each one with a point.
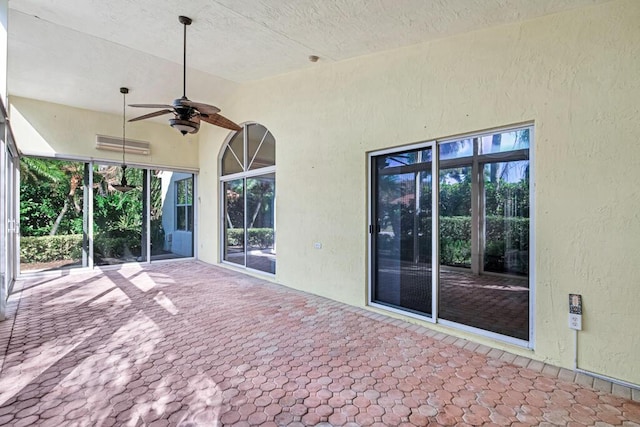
(188, 344)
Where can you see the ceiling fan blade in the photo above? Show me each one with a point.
(154, 114)
(202, 108)
(218, 120)
(151, 105)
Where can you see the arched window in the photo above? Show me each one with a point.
(248, 185)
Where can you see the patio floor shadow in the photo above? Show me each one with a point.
(184, 343)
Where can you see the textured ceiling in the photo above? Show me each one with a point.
(79, 52)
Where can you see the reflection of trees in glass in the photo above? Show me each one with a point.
(403, 200)
(260, 193)
(235, 203)
(505, 197)
(455, 192)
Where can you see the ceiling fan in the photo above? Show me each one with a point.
(187, 113)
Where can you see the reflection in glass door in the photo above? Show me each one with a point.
(402, 230)
(484, 229)
(261, 223)
(234, 221)
(480, 280)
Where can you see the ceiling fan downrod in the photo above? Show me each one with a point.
(184, 21)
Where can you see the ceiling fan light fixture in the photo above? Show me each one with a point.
(184, 126)
(124, 187)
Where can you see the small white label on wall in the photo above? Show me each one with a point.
(575, 312)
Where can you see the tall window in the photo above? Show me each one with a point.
(450, 232)
(248, 185)
(184, 202)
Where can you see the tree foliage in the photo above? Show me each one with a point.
(50, 197)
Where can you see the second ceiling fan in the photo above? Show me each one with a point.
(187, 114)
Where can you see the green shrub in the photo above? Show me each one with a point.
(455, 252)
(261, 237)
(115, 246)
(235, 236)
(258, 237)
(50, 248)
(506, 251)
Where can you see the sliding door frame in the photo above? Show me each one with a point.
(372, 221)
(91, 162)
(435, 243)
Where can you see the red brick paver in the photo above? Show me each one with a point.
(183, 343)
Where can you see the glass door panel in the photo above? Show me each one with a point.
(484, 228)
(402, 231)
(506, 189)
(483, 232)
(13, 216)
(118, 217)
(53, 214)
(455, 217)
(506, 246)
(261, 253)
(171, 214)
(234, 208)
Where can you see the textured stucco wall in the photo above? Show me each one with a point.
(574, 74)
(45, 129)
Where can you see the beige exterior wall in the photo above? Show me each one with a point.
(46, 129)
(574, 75)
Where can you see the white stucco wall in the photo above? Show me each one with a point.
(573, 74)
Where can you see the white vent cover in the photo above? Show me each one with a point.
(111, 143)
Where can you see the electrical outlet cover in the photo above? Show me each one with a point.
(575, 322)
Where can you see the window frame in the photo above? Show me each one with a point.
(243, 175)
(188, 207)
(435, 170)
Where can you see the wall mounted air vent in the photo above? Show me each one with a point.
(132, 146)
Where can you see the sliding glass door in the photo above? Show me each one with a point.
(480, 279)
(484, 230)
(8, 221)
(403, 231)
(54, 208)
(172, 214)
(78, 214)
(119, 218)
